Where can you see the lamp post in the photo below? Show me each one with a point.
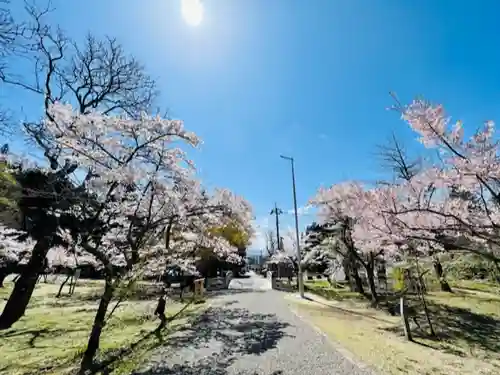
(299, 258)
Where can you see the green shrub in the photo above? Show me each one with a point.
(470, 267)
(398, 279)
(429, 279)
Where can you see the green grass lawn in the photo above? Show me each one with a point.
(51, 336)
(339, 292)
(467, 323)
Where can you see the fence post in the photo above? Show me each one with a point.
(404, 317)
(271, 279)
(198, 290)
(227, 279)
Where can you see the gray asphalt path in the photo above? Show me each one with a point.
(250, 330)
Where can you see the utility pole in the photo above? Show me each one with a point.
(299, 257)
(276, 212)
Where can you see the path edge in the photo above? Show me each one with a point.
(347, 354)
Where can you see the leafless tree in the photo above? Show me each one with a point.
(394, 157)
(10, 35)
(97, 75)
(271, 243)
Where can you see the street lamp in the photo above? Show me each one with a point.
(299, 258)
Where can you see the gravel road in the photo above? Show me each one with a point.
(249, 331)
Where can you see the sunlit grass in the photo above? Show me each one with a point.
(467, 323)
(52, 335)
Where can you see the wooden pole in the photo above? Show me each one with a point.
(404, 317)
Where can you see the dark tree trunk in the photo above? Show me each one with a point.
(95, 334)
(62, 286)
(369, 266)
(347, 270)
(497, 268)
(72, 284)
(3, 275)
(421, 291)
(25, 285)
(382, 276)
(352, 274)
(370, 275)
(358, 283)
(438, 269)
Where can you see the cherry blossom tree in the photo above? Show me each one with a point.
(9, 193)
(70, 260)
(395, 157)
(136, 176)
(194, 215)
(453, 204)
(467, 216)
(363, 236)
(44, 206)
(143, 186)
(285, 259)
(15, 248)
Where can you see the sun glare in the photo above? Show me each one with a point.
(192, 11)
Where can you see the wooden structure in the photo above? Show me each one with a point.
(199, 289)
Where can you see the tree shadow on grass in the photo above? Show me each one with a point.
(455, 323)
(226, 333)
(152, 292)
(112, 359)
(37, 333)
(458, 325)
(346, 312)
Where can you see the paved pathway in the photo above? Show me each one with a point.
(249, 331)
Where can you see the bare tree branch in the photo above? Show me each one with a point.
(395, 158)
(10, 35)
(98, 75)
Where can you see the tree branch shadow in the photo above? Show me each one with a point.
(459, 324)
(233, 331)
(459, 331)
(346, 311)
(112, 359)
(37, 333)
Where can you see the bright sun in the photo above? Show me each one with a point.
(192, 11)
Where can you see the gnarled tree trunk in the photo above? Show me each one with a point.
(62, 285)
(347, 269)
(356, 282)
(3, 275)
(25, 285)
(438, 269)
(352, 274)
(370, 275)
(98, 325)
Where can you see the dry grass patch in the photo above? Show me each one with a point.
(50, 338)
(467, 323)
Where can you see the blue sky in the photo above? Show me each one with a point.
(310, 79)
